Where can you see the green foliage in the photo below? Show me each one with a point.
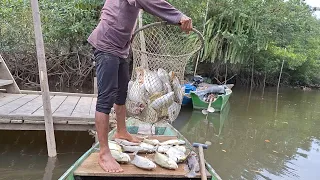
(238, 33)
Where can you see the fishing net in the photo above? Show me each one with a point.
(160, 54)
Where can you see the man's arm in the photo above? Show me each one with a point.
(164, 10)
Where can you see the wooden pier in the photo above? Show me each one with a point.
(24, 111)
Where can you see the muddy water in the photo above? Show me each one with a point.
(253, 138)
(261, 138)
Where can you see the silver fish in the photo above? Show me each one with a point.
(133, 107)
(173, 111)
(164, 76)
(153, 142)
(193, 165)
(163, 101)
(173, 142)
(152, 82)
(114, 146)
(137, 92)
(181, 148)
(133, 149)
(152, 115)
(148, 147)
(120, 156)
(165, 162)
(130, 83)
(125, 142)
(167, 87)
(163, 148)
(142, 162)
(176, 155)
(177, 89)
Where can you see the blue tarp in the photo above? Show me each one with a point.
(219, 89)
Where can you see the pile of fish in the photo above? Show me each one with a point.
(167, 154)
(157, 93)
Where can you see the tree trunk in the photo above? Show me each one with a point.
(252, 70)
(225, 77)
(278, 88)
(264, 82)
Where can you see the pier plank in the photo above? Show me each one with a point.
(83, 107)
(25, 111)
(13, 105)
(9, 98)
(56, 101)
(2, 95)
(67, 107)
(29, 107)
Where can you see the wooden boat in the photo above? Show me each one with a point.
(218, 104)
(87, 167)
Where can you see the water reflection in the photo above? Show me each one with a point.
(23, 154)
(249, 140)
(262, 138)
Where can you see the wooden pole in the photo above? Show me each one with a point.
(202, 164)
(204, 28)
(51, 143)
(277, 98)
(144, 61)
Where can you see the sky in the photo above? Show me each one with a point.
(314, 3)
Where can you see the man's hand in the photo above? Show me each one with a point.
(186, 24)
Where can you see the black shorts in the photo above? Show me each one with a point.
(112, 79)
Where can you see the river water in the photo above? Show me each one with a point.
(254, 137)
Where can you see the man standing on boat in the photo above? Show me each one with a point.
(111, 41)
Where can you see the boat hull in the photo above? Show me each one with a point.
(164, 130)
(218, 104)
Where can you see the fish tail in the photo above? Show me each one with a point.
(136, 152)
(156, 148)
(191, 174)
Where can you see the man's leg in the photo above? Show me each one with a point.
(120, 108)
(107, 79)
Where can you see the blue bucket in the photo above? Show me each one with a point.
(188, 87)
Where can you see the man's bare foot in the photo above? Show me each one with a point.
(127, 136)
(109, 164)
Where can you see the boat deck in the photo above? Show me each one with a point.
(25, 111)
(90, 168)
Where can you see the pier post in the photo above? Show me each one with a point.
(51, 142)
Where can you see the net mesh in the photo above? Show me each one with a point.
(160, 54)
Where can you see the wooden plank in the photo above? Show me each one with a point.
(60, 122)
(78, 122)
(83, 107)
(29, 107)
(93, 106)
(57, 127)
(59, 93)
(91, 122)
(10, 107)
(16, 121)
(4, 82)
(9, 98)
(67, 107)
(56, 101)
(55, 118)
(2, 95)
(33, 122)
(4, 121)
